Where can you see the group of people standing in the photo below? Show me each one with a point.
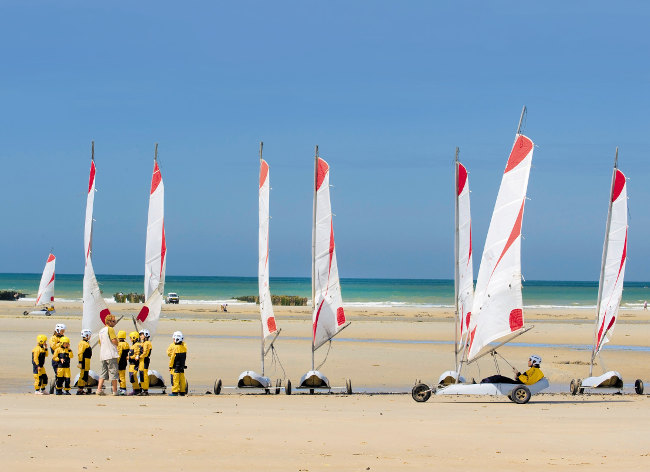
(115, 356)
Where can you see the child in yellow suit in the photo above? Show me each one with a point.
(177, 358)
(62, 356)
(134, 362)
(122, 360)
(83, 355)
(145, 359)
(39, 353)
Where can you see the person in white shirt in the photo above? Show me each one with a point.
(108, 355)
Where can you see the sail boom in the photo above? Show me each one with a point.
(325, 341)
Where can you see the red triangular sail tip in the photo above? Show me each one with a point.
(619, 184)
(91, 181)
(264, 172)
(51, 258)
(156, 178)
(321, 171)
(520, 150)
(462, 178)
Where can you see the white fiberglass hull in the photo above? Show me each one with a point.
(250, 379)
(314, 379)
(489, 388)
(449, 377)
(611, 380)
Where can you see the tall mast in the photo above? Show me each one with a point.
(92, 152)
(521, 118)
(456, 251)
(313, 254)
(601, 280)
(261, 320)
(155, 153)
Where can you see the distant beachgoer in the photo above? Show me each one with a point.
(645, 305)
(533, 375)
(225, 307)
(108, 355)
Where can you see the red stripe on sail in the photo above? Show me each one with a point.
(103, 314)
(469, 315)
(316, 321)
(471, 339)
(51, 258)
(51, 280)
(600, 331)
(163, 249)
(514, 234)
(92, 176)
(462, 178)
(620, 267)
(321, 171)
(331, 248)
(520, 150)
(144, 312)
(156, 178)
(264, 171)
(619, 183)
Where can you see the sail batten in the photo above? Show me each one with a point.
(95, 309)
(497, 309)
(328, 316)
(46, 287)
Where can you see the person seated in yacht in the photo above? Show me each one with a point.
(533, 375)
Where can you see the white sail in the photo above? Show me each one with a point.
(498, 307)
(155, 254)
(46, 287)
(266, 306)
(465, 269)
(328, 317)
(94, 306)
(613, 265)
(156, 248)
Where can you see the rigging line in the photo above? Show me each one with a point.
(326, 354)
(275, 360)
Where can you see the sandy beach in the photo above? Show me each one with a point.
(384, 350)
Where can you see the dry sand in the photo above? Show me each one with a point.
(383, 350)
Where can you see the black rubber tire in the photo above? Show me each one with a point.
(267, 391)
(287, 389)
(25, 313)
(638, 386)
(278, 386)
(348, 386)
(421, 393)
(187, 387)
(217, 387)
(520, 394)
(573, 387)
(311, 391)
(52, 386)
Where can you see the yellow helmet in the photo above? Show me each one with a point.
(41, 339)
(134, 335)
(121, 334)
(64, 339)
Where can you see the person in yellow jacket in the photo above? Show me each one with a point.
(84, 354)
(55, 342)
(62, 356)
(533, 375)
(122, 360)
(177, 360)
(39, 353)
(143, 368)
(134, 362)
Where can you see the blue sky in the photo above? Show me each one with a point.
(387, 89)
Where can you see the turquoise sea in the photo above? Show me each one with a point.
(369, 292)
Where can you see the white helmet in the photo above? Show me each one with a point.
(86, 334)
(59, 328)
(536, 360)
(146, 333)
(177, 337)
